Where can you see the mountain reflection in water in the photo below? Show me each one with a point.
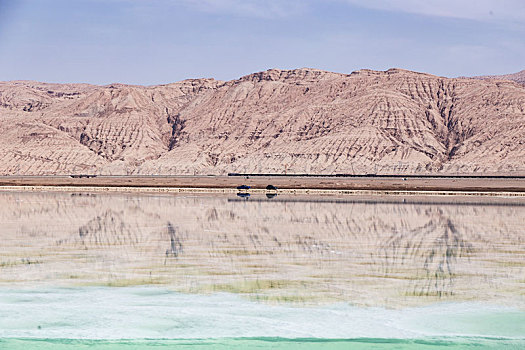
(365, 252)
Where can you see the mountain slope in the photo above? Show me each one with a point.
(277, 121)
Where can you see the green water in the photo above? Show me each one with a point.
(264, 343)
(153, 318)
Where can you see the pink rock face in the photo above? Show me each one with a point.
(293, 121)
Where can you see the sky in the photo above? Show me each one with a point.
(151, 42)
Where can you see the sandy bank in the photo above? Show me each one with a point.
(258, 184)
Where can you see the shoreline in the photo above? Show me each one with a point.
(296, 191)
(297, 185)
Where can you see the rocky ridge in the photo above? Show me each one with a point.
(277, 121)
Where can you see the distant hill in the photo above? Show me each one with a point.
(277, 121)
(517, 77)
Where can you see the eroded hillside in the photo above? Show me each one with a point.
(276, 121)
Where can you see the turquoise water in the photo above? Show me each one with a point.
(152, 317)
(85, 271)
(265, 343)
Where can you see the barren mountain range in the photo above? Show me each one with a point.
(277, 121)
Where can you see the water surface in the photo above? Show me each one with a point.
(105, 271)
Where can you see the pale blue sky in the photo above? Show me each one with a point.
(160, 41)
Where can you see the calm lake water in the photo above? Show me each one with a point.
(118, 271)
